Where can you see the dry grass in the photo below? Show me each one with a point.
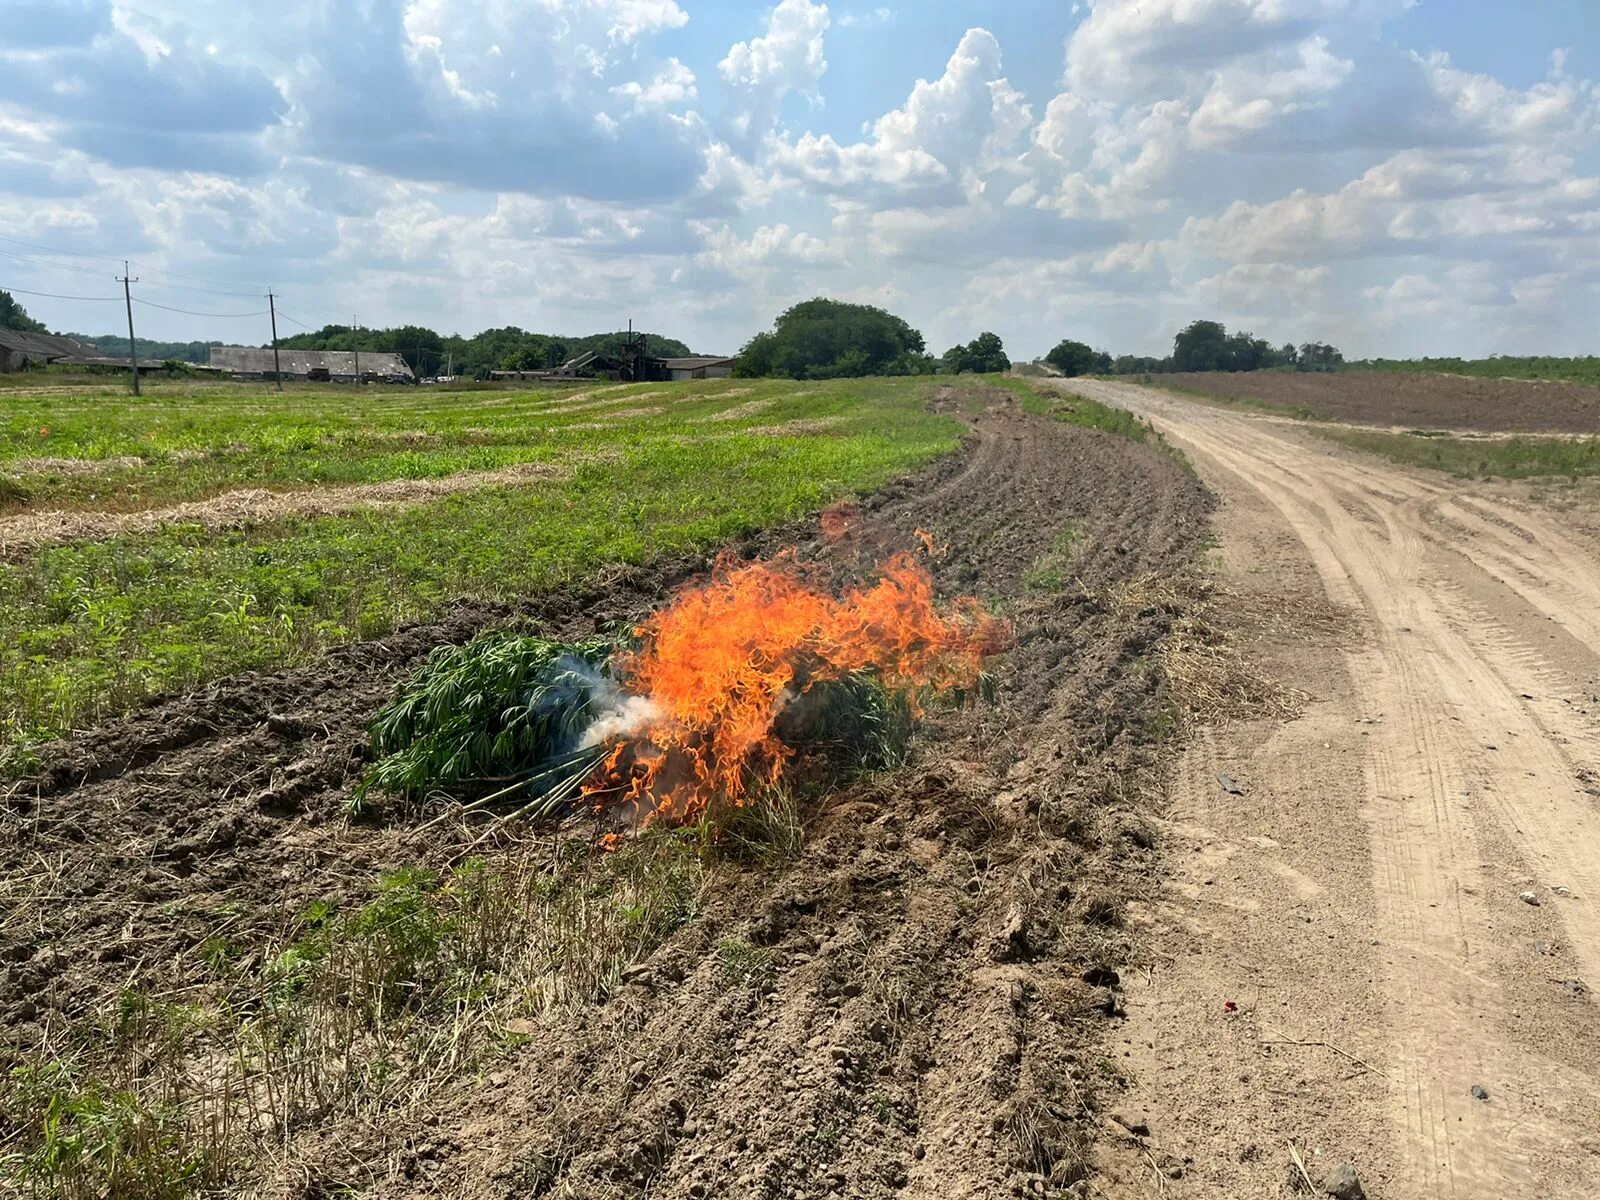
(361, 1015)
(1211, 679)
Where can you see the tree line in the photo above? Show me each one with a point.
(508, 348)
(1199, 346)
(833, 339)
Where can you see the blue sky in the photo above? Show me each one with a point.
(1398, 177)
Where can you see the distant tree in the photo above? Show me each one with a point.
(14, 316)
(1245, 352)
(1200, 346)
(421, 348)
(984, 355)
(1139, 364)
(507, 348)
(1315, 356)
(830, 339)
(1288, 355)
(1074, 358)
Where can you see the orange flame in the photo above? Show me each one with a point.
(721, 664)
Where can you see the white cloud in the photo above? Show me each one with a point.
(950, 134)
(789, 57)
(553, 163)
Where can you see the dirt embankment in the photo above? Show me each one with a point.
(1419, 401)
(944, 952)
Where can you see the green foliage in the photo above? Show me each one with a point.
(504, 349)
(14, 316)
(829, 339)
(1478, 458)
(1572, 370)
(115, 345)
(1077, 358)
(503, 704)
(984, 355)
(80, 1137)
(1208, 346)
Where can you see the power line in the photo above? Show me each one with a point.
(55, 250)
(28, 258)
(191, 313)
(54, 296)
(166, 287)
(296, 320)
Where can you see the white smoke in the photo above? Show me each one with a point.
(620, 718)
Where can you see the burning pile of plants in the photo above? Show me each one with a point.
(765, 673)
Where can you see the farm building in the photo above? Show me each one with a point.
(18, 349)
(700, 368)
(318, 366)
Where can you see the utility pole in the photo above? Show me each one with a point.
(355, 342)
(277, 368)
(133, 346)
(451, 369)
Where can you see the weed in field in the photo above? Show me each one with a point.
(503, 706)
(743, 965)
(358, 1013)
(1049, 571)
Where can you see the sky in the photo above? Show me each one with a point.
(1398, 177)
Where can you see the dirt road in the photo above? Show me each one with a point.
(1403, 902)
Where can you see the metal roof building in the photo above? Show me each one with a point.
(700, 368)
(18, 349)
(252, 362)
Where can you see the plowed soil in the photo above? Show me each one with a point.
(946, 950)
(1396, 399)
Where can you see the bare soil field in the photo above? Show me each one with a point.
(1393, 399)
(927, 981)
(1379, 927)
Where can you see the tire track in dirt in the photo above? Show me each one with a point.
(1468, 796)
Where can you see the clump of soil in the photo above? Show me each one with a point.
(936, 963)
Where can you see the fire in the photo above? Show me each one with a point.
(720, 665)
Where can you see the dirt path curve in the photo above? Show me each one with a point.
(1434, 813)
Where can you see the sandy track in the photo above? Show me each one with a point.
(1444, 766)
(22, 534)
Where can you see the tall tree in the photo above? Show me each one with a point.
(14, 316)
(1073, 358)
(1200, 346)
(985, 354)
(829, 339)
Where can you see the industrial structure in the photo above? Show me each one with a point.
(632, 363)
(315, 366)
(700, 368)
(19, 350)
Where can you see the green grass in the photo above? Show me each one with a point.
(90, 629)
(1572, 370)
(1478, 458)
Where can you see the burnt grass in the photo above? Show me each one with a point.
(940, 960)
(1409, 400)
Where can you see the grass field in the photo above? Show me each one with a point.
(93, 626)
(1478, 458)
(1572, 370)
